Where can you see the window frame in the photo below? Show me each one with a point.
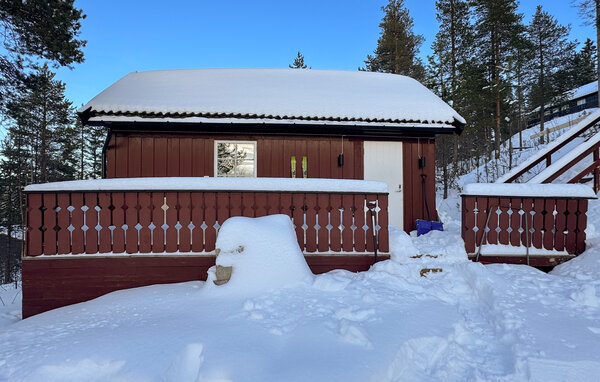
(216, 158)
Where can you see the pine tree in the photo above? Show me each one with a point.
(397, 46)
(452, 50)
(551, 50)
(498, 28)
(590, 11)
(37, 29)
(43, 126)
(298, 62)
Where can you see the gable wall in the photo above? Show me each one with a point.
(147, 155)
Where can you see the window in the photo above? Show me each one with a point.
(580, 102)
(235, 158)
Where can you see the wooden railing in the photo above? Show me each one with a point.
(78, 222)
(549, 223)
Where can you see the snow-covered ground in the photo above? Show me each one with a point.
(460, 321)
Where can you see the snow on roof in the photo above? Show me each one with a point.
(530, 190)
(582, 91)
(272, 94)
(214, 184)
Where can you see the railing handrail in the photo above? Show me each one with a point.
(212, 184)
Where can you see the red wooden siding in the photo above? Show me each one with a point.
(50, 283)
(554, 223)
(135, 155)
(158, 222)
(414, 205)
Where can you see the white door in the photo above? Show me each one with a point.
(383, 162)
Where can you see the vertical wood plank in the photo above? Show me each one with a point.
(515, 222)
(131, 220)
(468, 219)
(359, 222)
(311, 221)
(185, 156)
(91, 221)
(538, 223)
(63, 218)
(383, 236)
(171, 244)
(77, 238)
(273, 203)
(582, 207)
(222, 207)
(145, 203)
(490, 209)
(560, 225)
(34, 221)
(285, 204)
(111, 157)
(504, 221)
(263, 158)
(173, 157)
(147, 157)
(209, 157)
(49, 234)
(248, 204)
(198, 157)
(235, 204)
(323, 209)
(160, 156)
(210, 218)
(324, 159)
(298, 217)
(158, 220)
(312, 147)
(335, 235)
(334, 151)
(118, 220)
(549, 223)
(134, 157)
(359, 172)
(185, 237)
(571, 239)
(261, 204)
(288, 152)
(197, 220)
(347, 218)
(408, 183)
(121, 155)
(105, 236)
(527, 221)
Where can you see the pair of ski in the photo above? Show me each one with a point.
(304, 167)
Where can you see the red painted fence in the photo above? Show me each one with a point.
(553, 223)
(64, 222)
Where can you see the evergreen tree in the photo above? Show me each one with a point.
(452, 50)
(298, 62)
(43, 127)
(498, 28)
(590, 11)
(551, 50)
(34, 29)
(397, 46)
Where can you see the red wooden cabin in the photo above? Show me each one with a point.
(173, 134)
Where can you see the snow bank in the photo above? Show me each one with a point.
(263, 253)
(214, 184)
(530, 190)
(272, 94)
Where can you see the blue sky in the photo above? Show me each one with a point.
(126, 36)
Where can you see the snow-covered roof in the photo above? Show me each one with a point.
(582, 91)
(214, 184)
(270, 95)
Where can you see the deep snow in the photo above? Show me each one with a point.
(469, 322)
